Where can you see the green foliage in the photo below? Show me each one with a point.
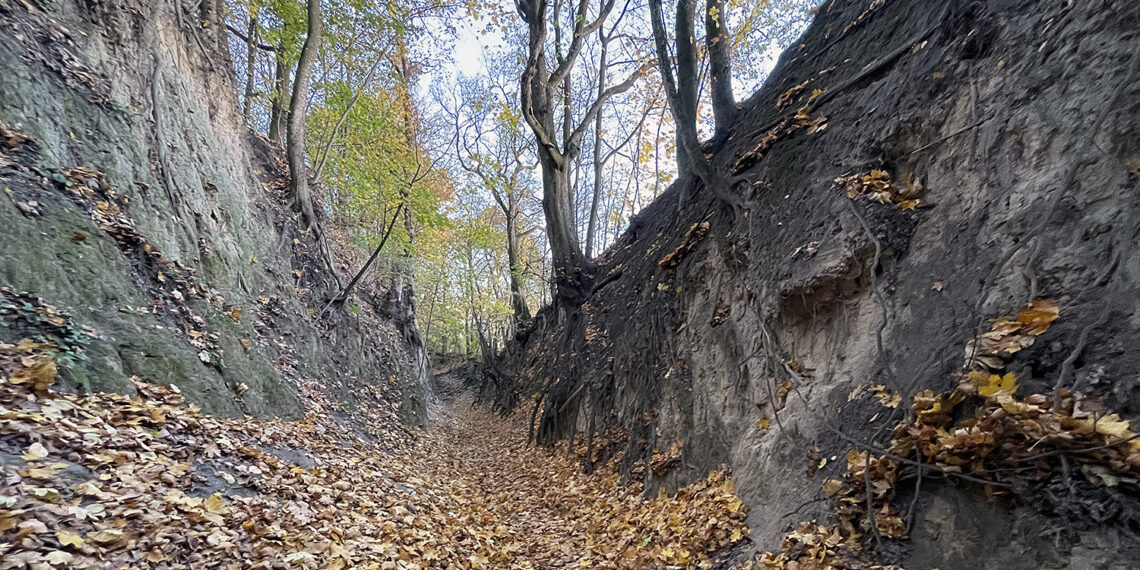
(283, 25)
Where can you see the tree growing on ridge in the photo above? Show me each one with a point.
(540, 86)
(681, 88)
(295, 140)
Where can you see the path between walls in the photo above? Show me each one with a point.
(107, 481)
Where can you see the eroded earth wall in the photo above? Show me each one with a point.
(1011, 126)
(136, 200)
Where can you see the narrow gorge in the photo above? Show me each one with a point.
(890, 325)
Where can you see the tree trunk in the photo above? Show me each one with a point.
(410, 130)
(518, 303)
(720, 68)
(409, 220)
(592, 225)
(431, 313)
(250, 63)
(538, 84)
(571, 269)
(298, 109)
(278, 110)
(687, 83)
(681, 92)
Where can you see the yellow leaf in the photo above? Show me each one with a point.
(763, 423)
(68, 539)
(1112, 426)
(155, 556)
(728, 488)
(215, 504)
(88, 488)
(234, 314)
(995, 384)
(105, 536)
(42, 473)
(40, 375)
(1040, 314)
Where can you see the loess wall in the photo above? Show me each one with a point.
(1019, 120)
(139, 203)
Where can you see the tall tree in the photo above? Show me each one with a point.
(295, 142)
(278, 112)
(538, 94)
(681, 92)
(250, 62)
(490, 145)
(720, 67)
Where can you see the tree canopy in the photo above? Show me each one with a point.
(517, 139)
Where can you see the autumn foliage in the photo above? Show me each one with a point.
(149, 482)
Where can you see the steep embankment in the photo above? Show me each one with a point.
(136, 200)
(994, 154)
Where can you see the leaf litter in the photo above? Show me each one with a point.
(109, 481)
(982, 432)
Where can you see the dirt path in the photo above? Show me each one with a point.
(106, 481)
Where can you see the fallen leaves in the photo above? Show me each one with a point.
(1004, 442)
(812, 546)
(663, 462)
(877, 186)
(693, 236)
(990, 384)
(165, 486)
(1008, 335)
(788, 126)
(790, 95)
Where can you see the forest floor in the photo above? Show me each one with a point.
(113, 482)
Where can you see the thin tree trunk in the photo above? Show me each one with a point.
(592, 225)
(278, 109)
(518, 304)
(570, 264)
(681, 92)
(431, 311)
(720, 67)
(295, 142)
(410, 128)
(343, 295)
(250, 63)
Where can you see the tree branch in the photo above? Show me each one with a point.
(241, 35)
(622, 87)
